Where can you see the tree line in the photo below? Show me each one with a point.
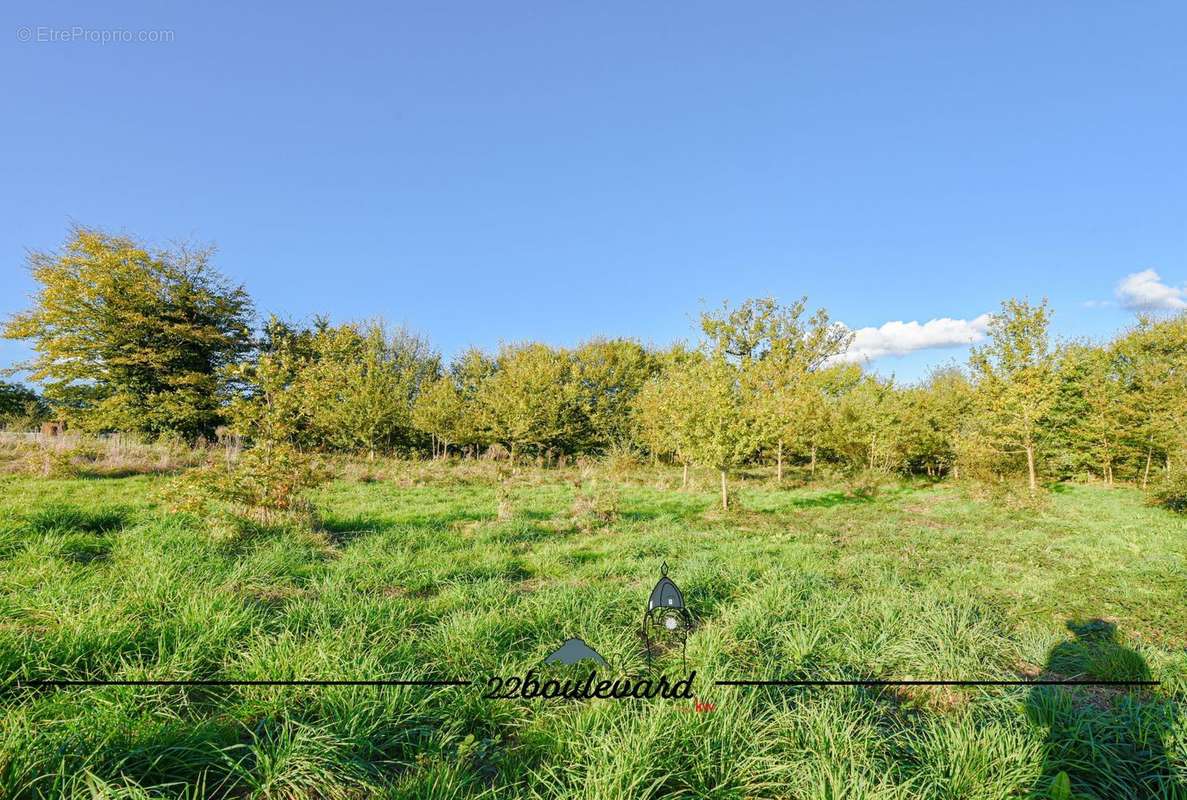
(134, 339)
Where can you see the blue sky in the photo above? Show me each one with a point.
(507, 171)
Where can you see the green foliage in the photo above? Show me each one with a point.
(440, 410)
(720, 433)
(21, 408)
(666, 405)
(1171, 492)
(349, 388)
(267, 480)
(271, 406)
(866, 425)
(934, 416)
(1016, 381)
(131, 339)
(359, 390)
(1061, 787)
(529, 398)
(607, 375)
(136, 340)
(1154, 358)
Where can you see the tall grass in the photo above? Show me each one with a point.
(419, 576)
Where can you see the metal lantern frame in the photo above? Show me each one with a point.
(666, 612)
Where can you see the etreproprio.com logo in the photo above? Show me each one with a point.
(78, 33)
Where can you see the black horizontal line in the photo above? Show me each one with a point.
(1070, 682)
(68, 683)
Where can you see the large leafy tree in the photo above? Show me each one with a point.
(528, 400)
(128, 338)
(607, 374)
(359, 390)
(1016, 380)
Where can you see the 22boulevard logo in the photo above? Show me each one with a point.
(665, 621)
(666, 618)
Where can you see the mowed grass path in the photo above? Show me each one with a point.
(411, 582)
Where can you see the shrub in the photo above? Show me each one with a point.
(866, 483)
(1171, 493)
(620, 459)
(596, 504)
(266, 481)
(504, 495)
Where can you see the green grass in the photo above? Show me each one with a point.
(408, 581)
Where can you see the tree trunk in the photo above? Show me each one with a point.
(725, 498)
(779, 468)
(684, 481)
(513, 454)
(1146, 474)
(812, 466)
(1030, 467)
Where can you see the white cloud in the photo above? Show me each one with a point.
(899, 338)
(1145, 291)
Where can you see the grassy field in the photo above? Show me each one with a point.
(423, 578)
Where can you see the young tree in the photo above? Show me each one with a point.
(469, 371)
(776, 351)
(132, 339)
(528, 400)
(1090, 416)
(721, 434)
(865, 427)
(440, 410)
(1154, 362)
(933, 416)
(1016, 380)
(266, 404)
(665, 408)
(823, 393)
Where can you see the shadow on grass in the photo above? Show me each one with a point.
(674, 510)
(1108, 740)
(345, 529)
(90, 474)
(62, 518)
(831, 500)
(517, 532)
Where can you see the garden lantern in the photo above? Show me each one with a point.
(666, 616)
